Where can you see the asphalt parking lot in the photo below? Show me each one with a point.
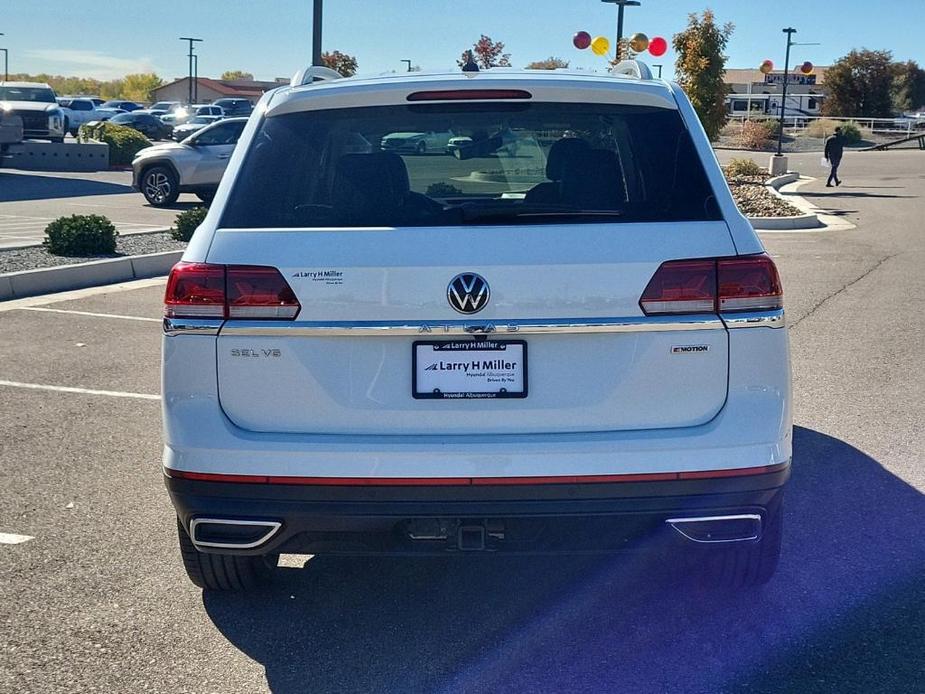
(96, 599)
(29, 200)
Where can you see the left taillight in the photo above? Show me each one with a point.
(243, 292)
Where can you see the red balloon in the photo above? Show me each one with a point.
(658, 46)
(582, 40)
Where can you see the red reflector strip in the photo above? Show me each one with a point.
(469, 94)
(472, 481)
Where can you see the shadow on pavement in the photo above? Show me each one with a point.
(20, 187)
(844, 611)
(845, 194)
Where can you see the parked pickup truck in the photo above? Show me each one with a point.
(10, 134)
(77, 111)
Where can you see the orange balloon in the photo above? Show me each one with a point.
(766, 67)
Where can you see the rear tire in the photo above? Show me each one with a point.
(745, 565)
(206, 197)
(224, 571)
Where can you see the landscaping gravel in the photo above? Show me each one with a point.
(755, 200)
(35, 257)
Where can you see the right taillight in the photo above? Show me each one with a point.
(249, 292)
(715, 285)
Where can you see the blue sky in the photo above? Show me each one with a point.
(273, 38)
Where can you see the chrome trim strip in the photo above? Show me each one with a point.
(675, 522)
(755, 319)
(273, 526)
(503, 326)
(192, 326)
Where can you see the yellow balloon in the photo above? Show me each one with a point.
(600, 45)
(639, 42)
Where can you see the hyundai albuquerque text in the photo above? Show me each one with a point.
(562, 338)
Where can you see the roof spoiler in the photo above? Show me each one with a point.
(632, 68)
(313, 73)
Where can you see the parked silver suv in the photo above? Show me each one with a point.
(195, 165)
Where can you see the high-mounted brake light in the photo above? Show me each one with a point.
(248, 292)
(715, 285)
(469, 95)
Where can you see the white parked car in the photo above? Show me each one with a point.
(581, 347)
(34, 102)
(419, 143)
(77, 111)
(163, 171)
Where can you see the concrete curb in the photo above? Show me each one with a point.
(809, 220)
(17, 285)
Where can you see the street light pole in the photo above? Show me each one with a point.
(783, 100)
(6, 61)
(195, 78)
(405, 60)
(659, 70)
(621, 4)
(191, 41)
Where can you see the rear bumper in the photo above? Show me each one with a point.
(406, 518)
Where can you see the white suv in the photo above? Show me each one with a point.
(573, 344)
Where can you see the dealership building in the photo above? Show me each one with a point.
(206, 90)
(753, 92)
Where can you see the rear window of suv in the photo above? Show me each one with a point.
(470, 163)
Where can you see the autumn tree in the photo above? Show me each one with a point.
(345, 64)
(860, 84)
(700, 68)
(908, 86)
(551, 63)
(487, 53)
(139, 87)
(232, 75)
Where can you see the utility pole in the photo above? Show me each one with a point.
(316, 33)
(191, 56)
(405, 60)
(6, 61)
(195, 79)
(621, 4)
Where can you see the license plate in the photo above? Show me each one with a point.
(469, 369)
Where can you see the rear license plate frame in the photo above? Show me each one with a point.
(459, 347)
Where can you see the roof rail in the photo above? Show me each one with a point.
(313, 73)
(632, 68)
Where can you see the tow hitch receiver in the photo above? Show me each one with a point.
(471, 538)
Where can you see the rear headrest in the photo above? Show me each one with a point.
(596, 182)
(368, 187)
(562, 154)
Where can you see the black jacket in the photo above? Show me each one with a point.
(834, 147)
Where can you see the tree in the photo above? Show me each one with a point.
(487, 53)
(232, 75)
(700, 68)
(345, 64)
(860, 84)
(551, 63)
(139, 87)
(908, 86)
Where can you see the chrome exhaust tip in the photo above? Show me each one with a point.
(225, 533)
(718, 529)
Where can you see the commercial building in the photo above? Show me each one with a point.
(753, 92)
(207, 90)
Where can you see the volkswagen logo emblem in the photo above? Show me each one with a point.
(468, 292)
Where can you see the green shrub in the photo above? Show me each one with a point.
(81, 235)
(442, 190)
(744, 167)
(851, 132)
(124, 143)
(186, 223)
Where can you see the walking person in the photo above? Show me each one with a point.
(834, 148)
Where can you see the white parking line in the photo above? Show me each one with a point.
(14, 539)
(81, 391)
(89, 313)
